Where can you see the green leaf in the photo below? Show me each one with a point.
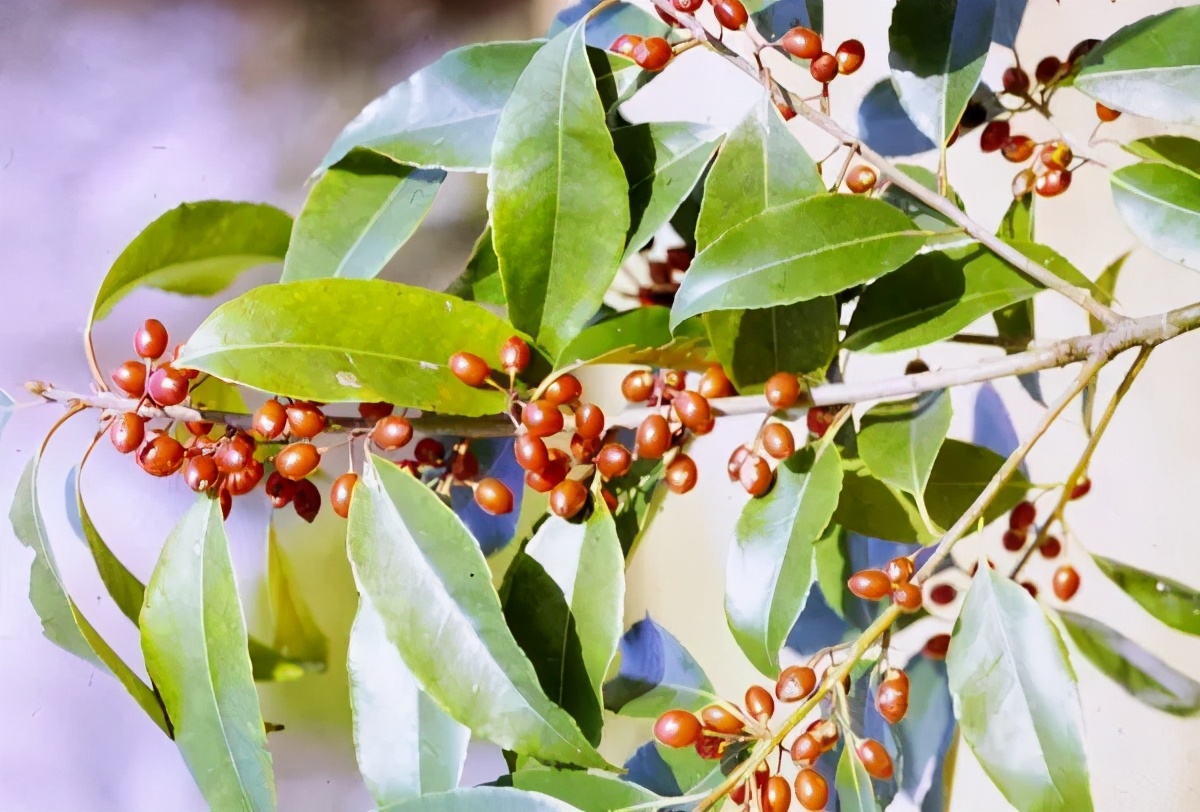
(1017, 321)
(1106, 287)
(557, 195)
(357, 216)
(406, 745)
(771, 564)
(196, 249)
(938, 294)
(657, 673)
(663, 161)
(336, 340)
(920, 213)
(634, 493)
(475, 799)
(1175, 604)
(800, 251)
(1017, 225)
(1150, 68)
(1143, 675)
(761, 166)
(480, 281)
(62, 621)
(900, 441)
(297, 636)
(1160, 204)
(589, 792)
(609, 23)
(871, 507)
(1178, 151)
(854, 790)
(753, 345)
(1012, 683)
(427, 578)
(444, 115)
(585, 560)
(639, 336)
(194, 641)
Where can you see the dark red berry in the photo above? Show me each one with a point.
(470, 369)
(871, 585)
(589, 421)
(374, 412)
(1052, 183)
(805, 750)
(130, 378)
(392, 432)
(530, 452)
(1022, 516)
(514, 355)
(943, 594)
(1066, 582)
(556, 471)
(687, 6)
(730, 14)
(824, 68)
(625, 44)
(429, 451)
(1051, 547)
(127, 432)
(242, 482)
(542, 418)
(161, 456)
(1047, 70)
(563, 390)
(850, 55)
(306, 500)
(198, 428)
(200, 473)
(777, 440)
(875, 759)
(1106, 114)
(613, 461)
(802, 43)
(1017, 148)
(1082, 488)
(1056, 155)
(693, 411)
(1015, 81)
(150, 341)
(305, 420)
(341, 492)
(1031, 588)
(465, 466)
(638, 385)
(167, 386)
(653, 437)
(936, 647)
(1014, 540)
(820, 418)
(652, 53)
(279, 490)
(782, 390)
(994, 135)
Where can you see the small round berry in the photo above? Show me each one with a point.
(563, 390)
(730, 14)
(625, 44)
(899, 570)
(305, 420)
(687, 6)
(653, 437)
(892, 699)
(493, 496)
(1023, 182)
(681, 474)
(1106, 114)
(875, 759)
(556, 471)
(714, 383)
(785, 111)
(943, 594)
(514, 355)
(1030, 587)
(1017, 148)
(1022, 516)
(392, 432)
(850, 55)
(374, 412)
(638, 385)
(693, 410)
(1081, 50)
(200, 473)
(759, 703)
(802, 43)
(820, 418)
(710, 748)
(1082, 488)
(777, 440)
(150, 341)
(306, 500)
(127, 432)
(468, 368)
(1047, 70)
(680, 258)
(567, 498)
(1014, 540)
(907, 597)
(861, 179)
(161, 456)
(589, 421)
(613, 461)
(1051, 547)
(778, 795)
(1066, 582)
(825, 731)
(225, 500)
(270, 419)
(1052, 183)
(734, 467)
(936, 647)
(531, 452)
(542, 418)
(677, 728)
(674, 379)
(782, 390)
(465, 466)
(298, 460)
(341, 492)
(805, 750)
(242, 482)
(915, 367)
(812, 790)
(795, 682)
(721, 720)
(234, 453)
(130, 378)
(994, 135)
(756, 476)
(198, 428)
(279, 490)
(870, 585)
(824, 68)
(1056, 155)
(167, 386)
(583, 449)
(429, 452)
(652, 53)
(1015, 81)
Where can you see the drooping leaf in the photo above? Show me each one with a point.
(1016, 323)
(1149, 68)
(1178, 151)
(610, 23)
(1011, 682)
(775, 17)
(656, 674)
(885, 127)
(938, 48)
(771, 568)
(752, 345)
(357, 216)
(1175, 604)
(406, 745)
(196, 249)
(557, 195)
(925, 734)
(921, 214)
(639, 336)
(900, 441)
(474, 799)
(855, 793)
(428, 580)
(590, 792)
(1143, 675)
(873, 508)
(1160, 204)
(814, 247)
(444, 115)
(663, 161)
(336, 340)
(761, 166)
(297, 636)
(1017, 223)
(938, 294)
(1106, 289)
(194, 640)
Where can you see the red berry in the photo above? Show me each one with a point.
(1023, 182)
(374, 412)
(305, 420)
(943, 594)
(824, 68)
(759, 703)
(130, 378)
(778, 795)
(198, 428)
(1066, 582)
(812, 790)
(693, 411)
(652, 53)
(994, 135)
(805, 750)
(127, 432)
(653, 437)
(1056, 155)
(200, 473)
(677, 728)
(936, 647)
(298, 460)
(756, 476)
(687, 6)
(1047, 70)
(625, 44)
(892, 699)
(782, 390)
(493, 496)
(1031, 588)
(1017, 148)
(470, 369)
(542, 418)
(850, 55)
(777, 440)
(795, 682)
(1052, 183)
(802, 43)
(167, 386)
(730, 14)
(1081, 50)
(589, 421)
(233, 454)
(1106, 113)
(613, 461)
(392, 432)
(279, 490)
(1081, 489)
(226, 502)
(861, 179)
(584, 450)
(638, 385)
(465, 466)
(1051, 547)
(1022, 516)
(1015, 81)
(270, 419)
(820, 418)
(150, 341)
(899, 570)
(871, 585)
(681, 474)
(161, 456)
(531, 452)
(734, 467)
(721, 720)
(875, 759)
(514, 355)
(556, 471)
(567, 498)
(341, 492)
(429, 451)
(563, 390)
(710, 748)
(714, 383)
(242, 482)
(306, 500)
(907, 597)
(1014, 540)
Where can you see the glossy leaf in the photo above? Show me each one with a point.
(1106, 287)
(196, 249)
(1160, 204)
(639, 336)
(854, 789)
(336, 340)
(357, 216)
(771, 564)
(761, 166)
(589, 792)
(921, 214)
(818, 625)
(938, 294)
(885, 127)
(496, 460)
(925, 734)
(752, 345)
(1143, 675)
(1011, 682)
(899, 441)
(194, 641)
(873, 508)
(800, 251)
(610, 23)
(557, 195)
(429, 582)
(297, 636)
(1016, 322)
(474, 799)
(1175, 604)
(938, 48)
(480, 281)
(1017, 223)
(663, 162)
(774, 18)
(1149, 68)
(444, 115)
(656, 674)
(1175, 150)
(406, 745)
(634, 492)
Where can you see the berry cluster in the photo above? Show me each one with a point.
(1065, 581)
(804, 43)
(894, 580)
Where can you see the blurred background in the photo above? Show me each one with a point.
(114, 111)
